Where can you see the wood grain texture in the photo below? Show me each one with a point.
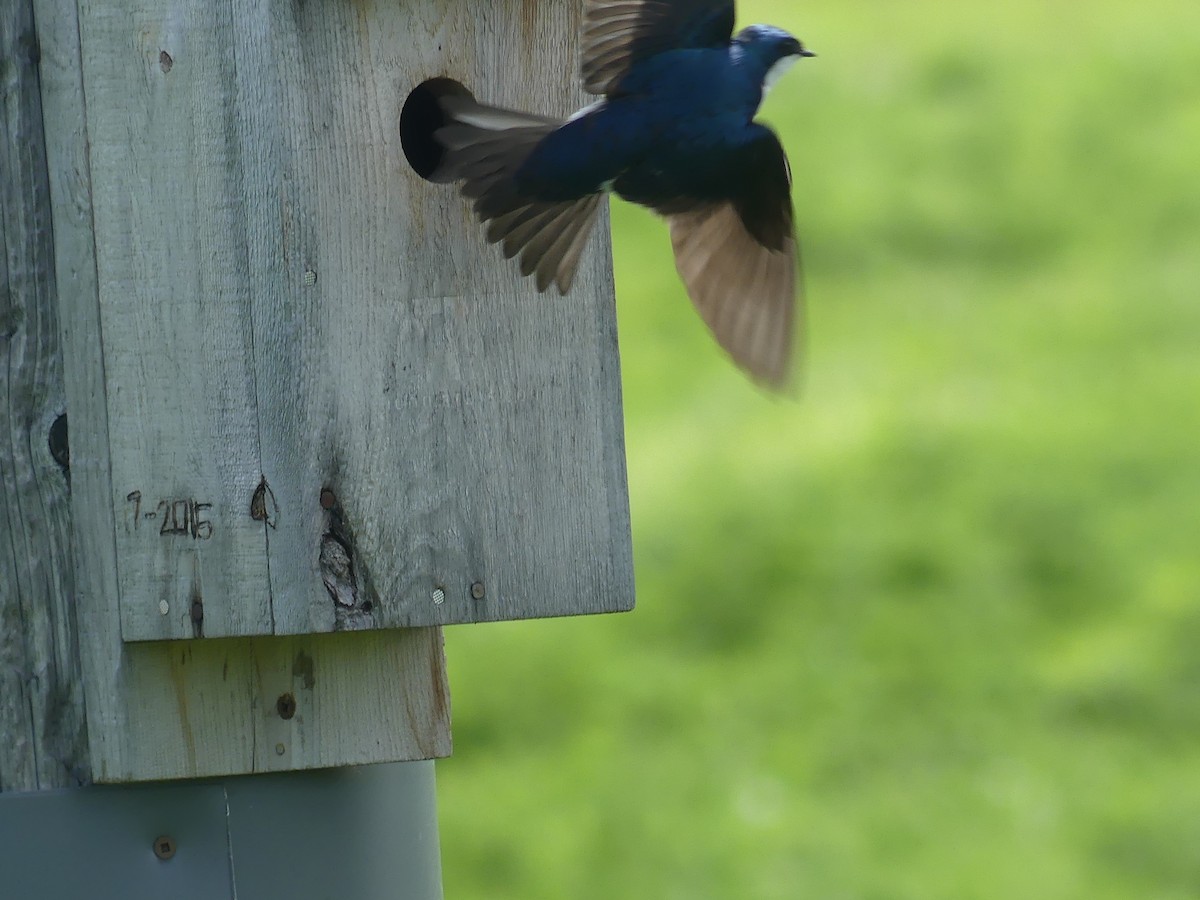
(43, 735)
(170, 209)
(182, 710)
(287, 308)
(211, 707)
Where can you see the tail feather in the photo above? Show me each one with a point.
(572, 252)
(484, 148)
(506, 223)
(554, 251)
(526, 235)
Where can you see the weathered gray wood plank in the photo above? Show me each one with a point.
(469, 428)
(211, 707)
(288, 309)
(170, 221)
(175, 710)
(43, 735)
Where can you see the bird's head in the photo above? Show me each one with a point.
(772, 48)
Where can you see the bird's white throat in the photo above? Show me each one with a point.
(776, 72)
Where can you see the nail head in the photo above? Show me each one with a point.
(164, 846)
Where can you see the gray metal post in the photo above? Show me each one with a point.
(368, 833)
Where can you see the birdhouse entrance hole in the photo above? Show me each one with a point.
(420, 118)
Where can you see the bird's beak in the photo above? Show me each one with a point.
(804, 52)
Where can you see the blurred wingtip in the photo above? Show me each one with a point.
(745, 292)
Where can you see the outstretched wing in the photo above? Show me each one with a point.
(618, 33)
(738, 260)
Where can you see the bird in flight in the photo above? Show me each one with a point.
(674, 130)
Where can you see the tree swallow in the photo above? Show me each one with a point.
(674, 131)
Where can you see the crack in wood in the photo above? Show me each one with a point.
(342, 572)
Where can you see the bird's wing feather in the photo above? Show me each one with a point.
(619, 33)
(484, 147)
(738, 259)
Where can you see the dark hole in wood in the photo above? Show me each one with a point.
(262, 503)
(286, 706)
(60, 447)
(419, 119)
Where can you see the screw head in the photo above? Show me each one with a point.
(164, 846)
(280, 749)
(478, 591)
(328, 499)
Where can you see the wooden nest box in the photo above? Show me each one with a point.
(305, 395)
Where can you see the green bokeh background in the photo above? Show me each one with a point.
(932, 631)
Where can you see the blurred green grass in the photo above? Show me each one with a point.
(931, 631)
